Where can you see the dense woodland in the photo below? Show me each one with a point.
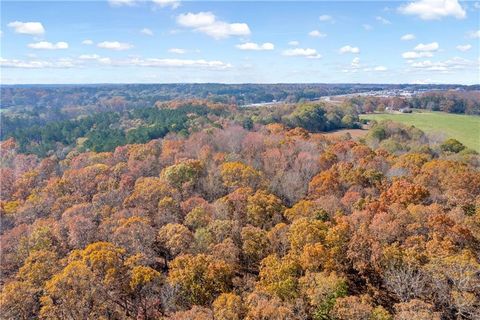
(205, 211)
(46, 118)
(106, 130)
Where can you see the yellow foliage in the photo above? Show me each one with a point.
(237, 174)
(142, 276)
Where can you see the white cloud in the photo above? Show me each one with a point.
(453, 64)
(382, 20)
(349, 49)
(255, 46)
(355, 63)
(118, 3)
(464, 47)
(207, 23)
(178, 63)
(177, 50)
(474, 34)
(94, 57)
(427, 47)
(354, 66)
(300, 52)
(325, 18)
(32, 28)
(434, 9)
(380, 68)
(407, 37)
(294, 43)
(45, 45)
(146, 32)
(36, 64)
(87, 42)
(422, 50)
(416, 55)
(130, 3)
(167, 3)
(140, 62)
(196, 20)
(220, 30)
(114, 45)
(317, 34)
(89, 57)
(367, 27)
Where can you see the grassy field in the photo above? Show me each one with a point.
(464, 128)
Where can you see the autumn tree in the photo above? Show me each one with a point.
(237, 174)
(174, 238)
(264, 210)
(322, 291)
(228, 306)
(255, 245)
(279, 276)
(201, 278)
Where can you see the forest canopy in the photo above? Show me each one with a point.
(273, 220)
(201, 209)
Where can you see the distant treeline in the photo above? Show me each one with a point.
(103, 131)
(72, 99)
(467, 102)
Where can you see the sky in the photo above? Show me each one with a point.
(172, 41)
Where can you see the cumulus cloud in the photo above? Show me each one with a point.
(115, 45)
(31, 28)
(119, 3)
(160, 3)
(434, 9)
(427, 47)
(325, 18)
(422, 50)
(36, 64)
(416, 55)
(447, 66)
(179, 63)
(407, 37)
(89, 57)
(349, 49)
(140, 62)
(300, 52)
(196, 20)
(380, 68)
(474, 34)
(252, 46)
(167, 3)
(45, 45)
(355, 66)
(382, 20)
(355, 63)
(87, 42)
(146, 32)
(177, 50)
(294, 43)
(317, 34)
(207, 22)
(464, 47)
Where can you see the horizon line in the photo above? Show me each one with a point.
(240, 83)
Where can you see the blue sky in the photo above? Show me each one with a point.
(162, 41)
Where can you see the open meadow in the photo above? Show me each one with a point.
(464, 128)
